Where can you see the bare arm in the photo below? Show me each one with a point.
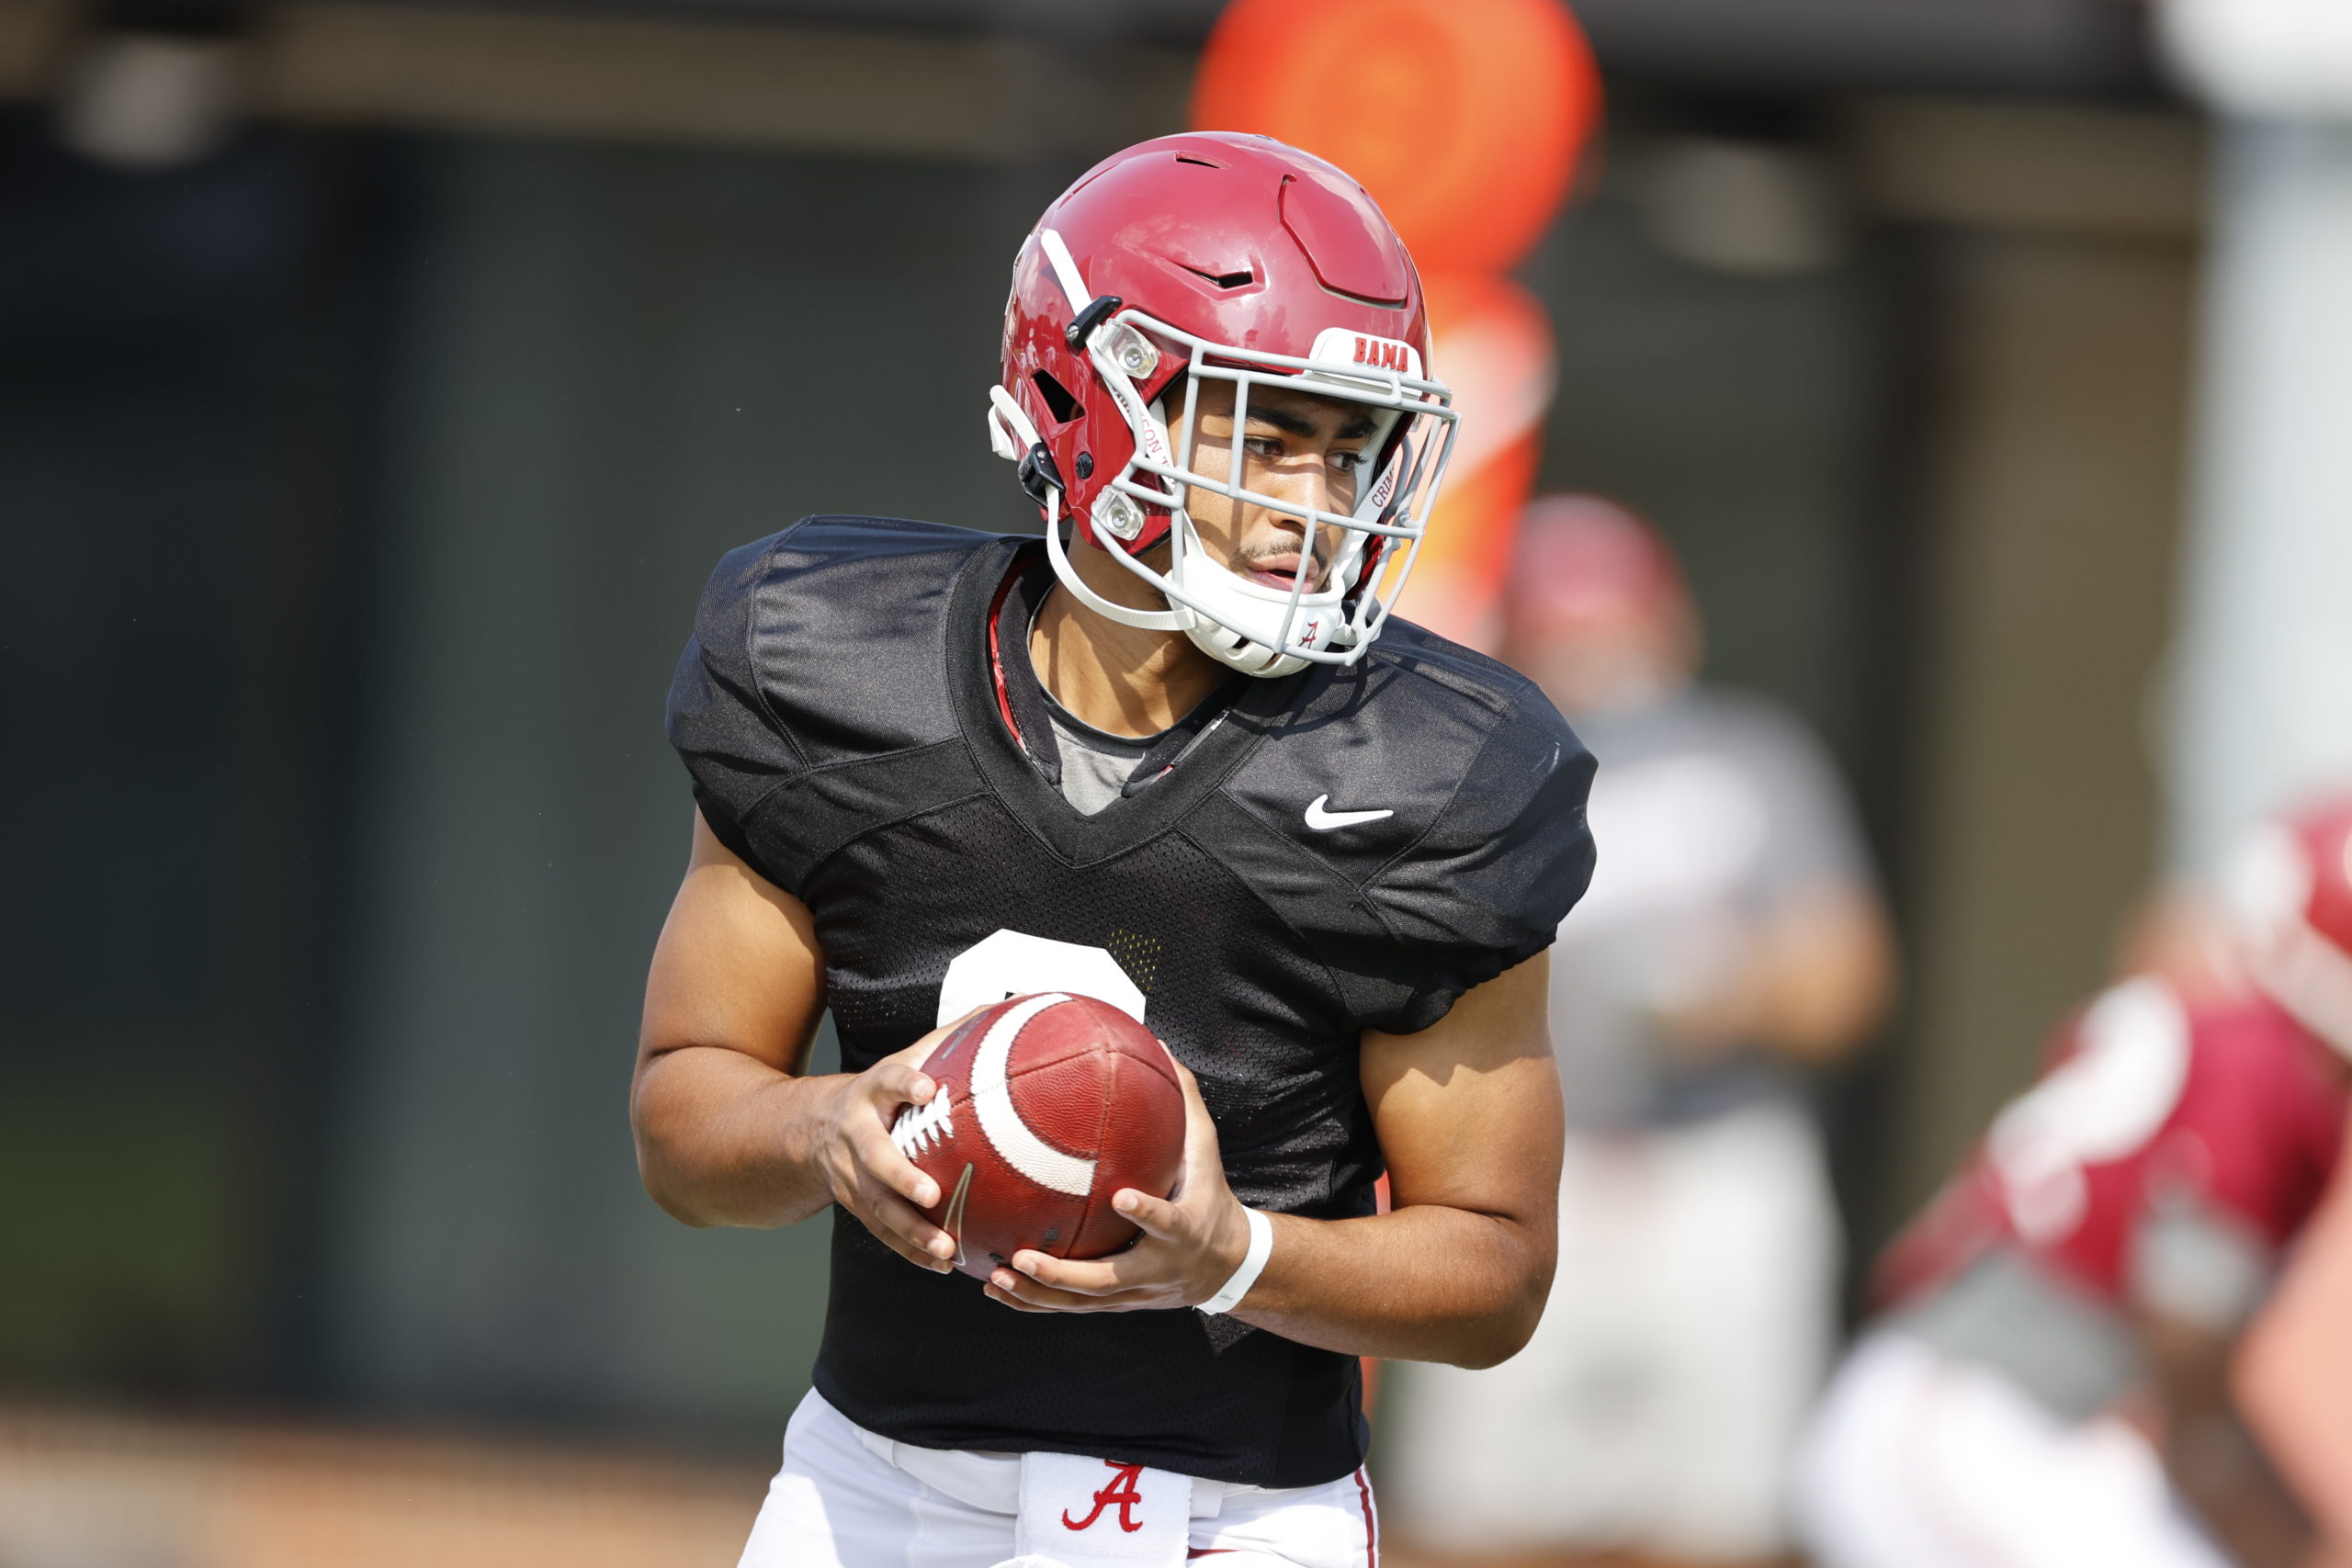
(2207, 1452)
(1819, 974)
(729, 1128)
(1469, 1118)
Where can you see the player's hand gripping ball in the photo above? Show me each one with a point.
(1048, 1105)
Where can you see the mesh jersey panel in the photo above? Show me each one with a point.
(836, 715)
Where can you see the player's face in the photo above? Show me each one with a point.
(1295, 447)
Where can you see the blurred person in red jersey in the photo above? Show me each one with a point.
(2048, 1381)
(2293, 1374)
(1733, 937)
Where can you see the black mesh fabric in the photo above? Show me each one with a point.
(1264, 946)
(1276, 1059)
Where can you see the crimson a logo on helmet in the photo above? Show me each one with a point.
(1381, 354)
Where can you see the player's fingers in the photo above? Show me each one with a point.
(1200, 1128)
(920, 1052)
(1042, 1297)
(1004, 1297)
(900, 1246)
(892, 1083)
(884, 1164)
(1092, 1276)
(1035, 1296)
(1190, 1087)
(892, 1219)
(1158, 1216)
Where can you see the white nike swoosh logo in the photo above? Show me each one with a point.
(1323, 821)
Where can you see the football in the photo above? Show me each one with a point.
(1049, 1105)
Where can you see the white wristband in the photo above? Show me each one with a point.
(1253, 1263)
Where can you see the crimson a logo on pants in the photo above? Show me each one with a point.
(1119, 1489)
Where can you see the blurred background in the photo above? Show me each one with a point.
(380, 378)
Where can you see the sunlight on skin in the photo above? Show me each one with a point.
(1299, 448)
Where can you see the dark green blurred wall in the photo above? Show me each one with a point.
(1744, 414)
(618, 364)
(185, 401)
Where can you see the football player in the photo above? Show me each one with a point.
(2048, 1381)
(1184, 752)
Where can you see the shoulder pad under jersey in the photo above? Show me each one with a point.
(1433, 801)
(819, 645)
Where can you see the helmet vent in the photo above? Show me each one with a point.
(1354, 253)
(1058, 397)
(1222, 279)
(1203, 162)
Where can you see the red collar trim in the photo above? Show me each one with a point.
(995, 656)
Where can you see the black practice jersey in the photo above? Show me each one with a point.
(840, 714)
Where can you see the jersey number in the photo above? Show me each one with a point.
(1014, 963)
(2101, 1104)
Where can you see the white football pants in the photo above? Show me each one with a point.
(850, 1499)
(1918, 1460)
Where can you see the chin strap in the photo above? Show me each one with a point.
(1014, 437)
(1149, 620)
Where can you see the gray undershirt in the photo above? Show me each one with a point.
(1096, 765)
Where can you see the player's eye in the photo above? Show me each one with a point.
(1267, 447)
(1346, 462)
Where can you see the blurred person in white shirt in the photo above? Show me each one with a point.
(1732, 940)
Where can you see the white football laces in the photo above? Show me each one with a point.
(920, 1126)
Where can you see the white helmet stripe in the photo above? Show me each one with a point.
(1066, 271)
(992, 1101)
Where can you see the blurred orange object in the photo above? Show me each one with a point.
(1493, 346)
(1464, 120)
(1463, 117)
(2293, 1375)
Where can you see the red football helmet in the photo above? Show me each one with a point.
(1235, 258)
(2289, 889)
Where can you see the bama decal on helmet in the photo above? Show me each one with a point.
(1338, 345)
